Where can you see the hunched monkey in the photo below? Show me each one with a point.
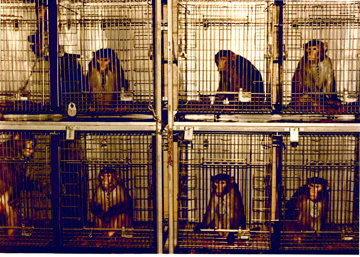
(308, 207)
(105, 80)
(236, 72)
(111, 205)
(225, 209)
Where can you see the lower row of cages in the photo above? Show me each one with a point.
(104, 59)
(325, 218)
(106, 190)
(241, 33)
(235, 216)
(240, 218)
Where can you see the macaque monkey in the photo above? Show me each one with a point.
(313, 82)
(236, 72)
(14, 154)
(105, 80)
(308, 207)
(111, 205)
(225, 209)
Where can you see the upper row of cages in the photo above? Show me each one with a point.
(123, 31)
(240, 218)
(106, 183)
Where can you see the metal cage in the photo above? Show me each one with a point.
(131, 156)
(335, 23)
(25, 193)
(245, 157)
(123, 26)
(204, 29)
(24, 65)
(334, 157)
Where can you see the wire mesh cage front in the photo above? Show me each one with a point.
(329, 218)
(206, 29)
(24, 65)
(119, 214)
(324, 81)
(91, 32)
(234, 223)
(25, 189)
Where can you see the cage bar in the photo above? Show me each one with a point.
(130, 155)
(336, 24)
(25, 194)
(244, 157)
(334, 157)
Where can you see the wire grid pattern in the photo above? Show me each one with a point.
(125, 27)
(333, 157)
(24, 76)
(130, 154)
(31, 219)
(204, 28)
(246, 158)
(337, 24)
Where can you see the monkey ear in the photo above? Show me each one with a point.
(328, 186)
(325, 47)
(232, 180)
(233, 56)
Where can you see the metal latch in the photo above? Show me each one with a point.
(244, 234)
(70, 132)
(188, 134)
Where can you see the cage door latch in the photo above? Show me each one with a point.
(188, 136)
(70, 132)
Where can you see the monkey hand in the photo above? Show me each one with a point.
(15, 202)
(230, 238)
(198, 227)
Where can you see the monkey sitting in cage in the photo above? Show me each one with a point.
(111, 205)
(307, 209)
(15, 154)
(225, 209)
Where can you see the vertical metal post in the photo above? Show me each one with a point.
(170, 125)
(277, 76)
(53, 55)
(275, 191)
(157, 66)
(55, 187)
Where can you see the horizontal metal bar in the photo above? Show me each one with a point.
(78, 126)
(267, 127)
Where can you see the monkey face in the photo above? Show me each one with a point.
(103, 63)
(28, 149)
(315, 191)
(106, 180)
(313, 53)
(222, 63)
(220, 186)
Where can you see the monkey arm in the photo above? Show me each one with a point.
(237, 209)
(96, 209)
(290, 207)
